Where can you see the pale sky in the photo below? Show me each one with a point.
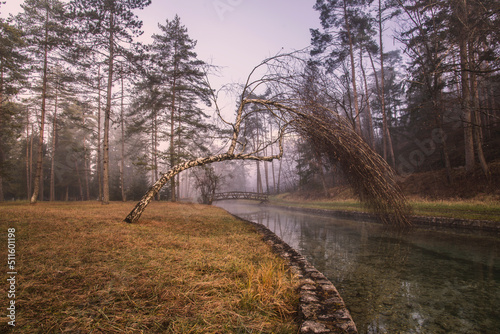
(233, 34)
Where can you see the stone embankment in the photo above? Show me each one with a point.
(321, 307)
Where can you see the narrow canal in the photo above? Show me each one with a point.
(426, 280)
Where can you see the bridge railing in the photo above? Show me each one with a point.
(241, 195)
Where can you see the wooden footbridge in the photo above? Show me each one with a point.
(240, 195)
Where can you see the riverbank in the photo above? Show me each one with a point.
(458, 210)
(184, 268)
(427, 280)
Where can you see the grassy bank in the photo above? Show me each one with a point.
(462, 209)
(184, 268)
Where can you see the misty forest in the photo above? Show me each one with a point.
(387, 90)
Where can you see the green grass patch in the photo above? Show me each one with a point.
(184, 268)
(461, 209)
(488, 210)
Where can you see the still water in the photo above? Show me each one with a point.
(420, 281)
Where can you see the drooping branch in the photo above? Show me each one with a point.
(369, 175)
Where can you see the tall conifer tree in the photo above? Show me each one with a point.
(44, 23)
(108, 27)
(182, 79)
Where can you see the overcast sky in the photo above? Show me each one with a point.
(233, 34)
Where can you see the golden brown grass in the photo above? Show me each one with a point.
(184, 268)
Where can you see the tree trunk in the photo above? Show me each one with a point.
(79, 179)
(371, 135)
(99, 162)
(39, 163)
(353, 72)
(122, 164)
(259, 178)
(466, 108)
(136, 213)
(86, 161)
(172, 146)
(53, 158)
(179, 152)
(322, 175)
(107, 114)
(155, 151)
(31, 157)
(1, 118)
(476, 117)
(172, 127)
(86, 164)
(278, 189)
(266, 174)
(443, 144)
(386, 134)
(272, 162)
(28, 161)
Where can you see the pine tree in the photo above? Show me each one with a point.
(180, 75)
(344, 21)
(11, 76)
(46, 33)
(108, 28)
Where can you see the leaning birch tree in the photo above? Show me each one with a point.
(287, 109)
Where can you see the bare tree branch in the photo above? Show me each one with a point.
(331, 135)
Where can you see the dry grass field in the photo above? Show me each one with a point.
(184, 268)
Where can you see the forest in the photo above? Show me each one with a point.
(88, 112)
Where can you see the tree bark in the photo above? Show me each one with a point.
(386, 133)
(155, 152)
(53, 158)
(353, 70)
(122, 163)
(272, 162)
(279, 177)
(1, 118)
(99, 162)
(172, 126)
(371, 135)
(79, 179)
(266, 172)
(443, 144)
(259, 177)
(31, 157)
(136, 213)
(28, 161)
(39, 163)
(466, 108)
(172, 146)
(86, 164)
(107, 114)
(476, 117)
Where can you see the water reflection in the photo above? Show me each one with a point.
(417, 281)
